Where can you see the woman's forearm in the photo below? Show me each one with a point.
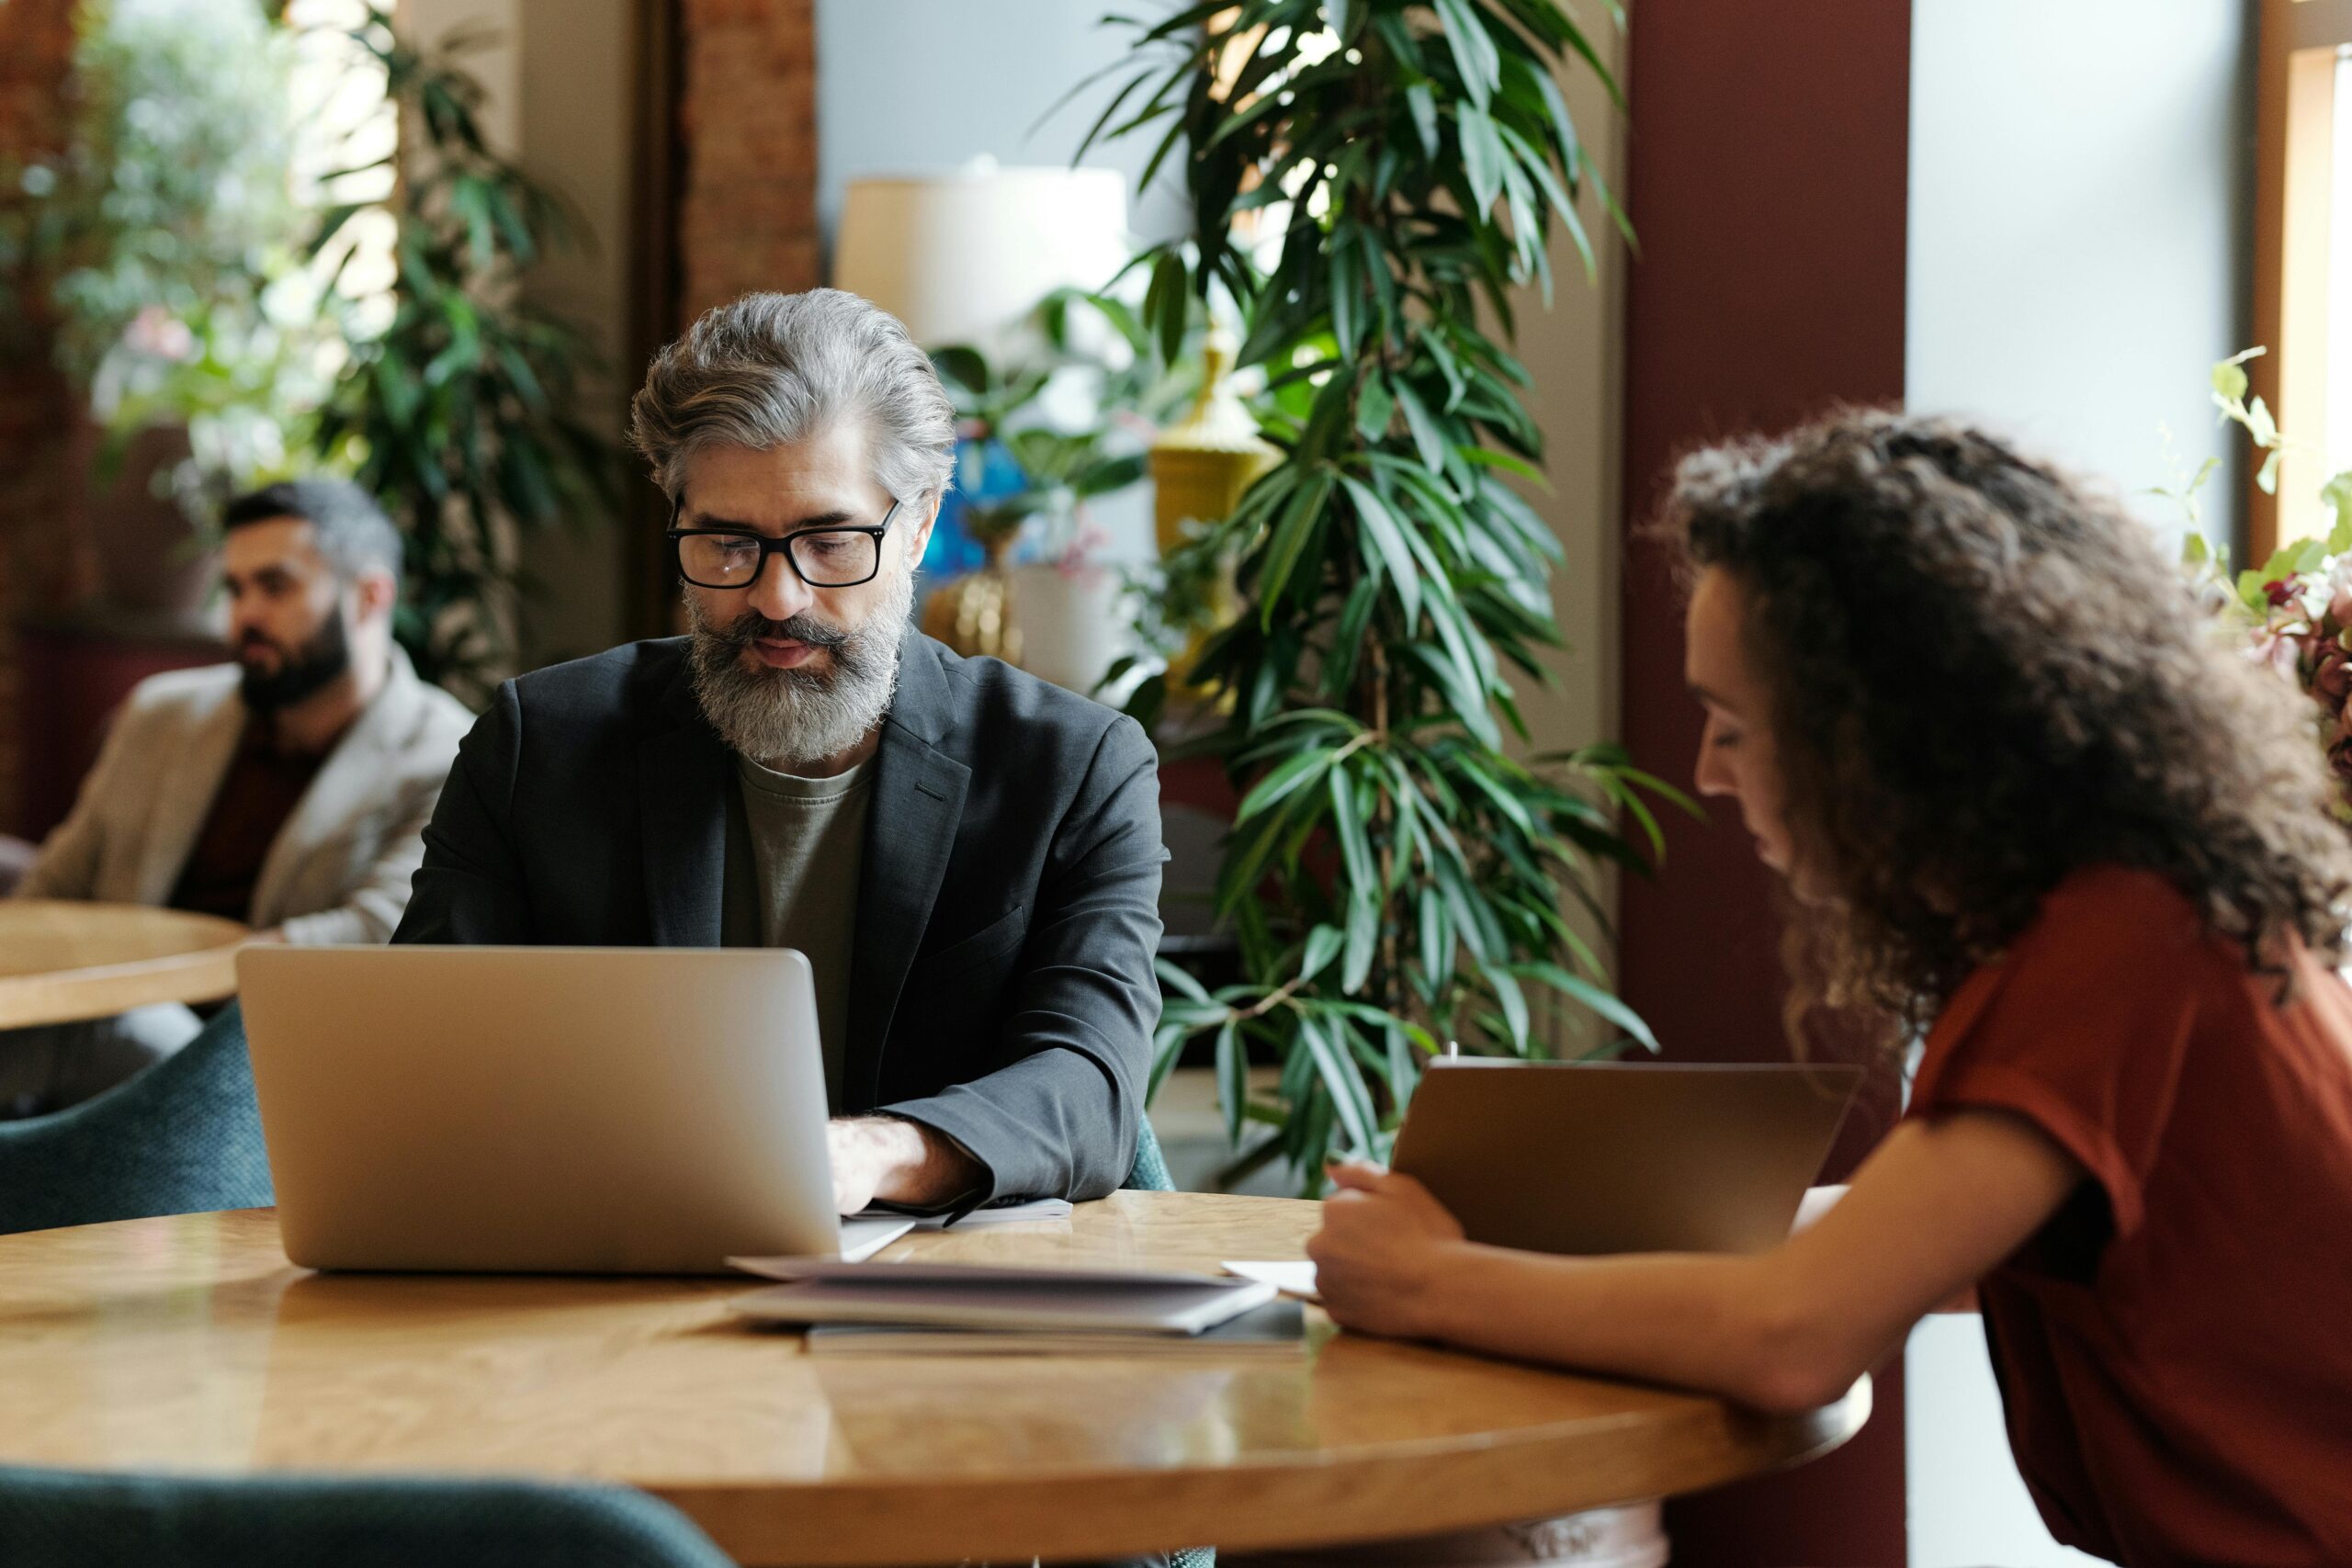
(1726, 1326)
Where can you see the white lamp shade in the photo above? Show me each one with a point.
(959, 255)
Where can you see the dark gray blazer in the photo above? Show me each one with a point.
(1007, 913)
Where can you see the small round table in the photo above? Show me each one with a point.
(61, 960)
(191, 1344)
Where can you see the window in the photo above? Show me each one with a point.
(2302, 293)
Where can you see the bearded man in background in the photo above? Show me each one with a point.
(287, 790)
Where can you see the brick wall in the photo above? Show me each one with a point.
(747, 192)
(45, 562)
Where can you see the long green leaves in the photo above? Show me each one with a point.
(456, 413)
(1370, 183)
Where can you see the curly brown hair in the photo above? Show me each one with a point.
(1984, 674)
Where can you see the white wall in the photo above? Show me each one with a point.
(2079, 199)
(907, 85)
(2078, 195)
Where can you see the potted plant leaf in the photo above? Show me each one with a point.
(1370, 181)
(456, 409)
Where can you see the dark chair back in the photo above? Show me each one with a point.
(182, 1137)
(68, 1519)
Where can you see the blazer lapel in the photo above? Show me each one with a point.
(347, 783)
(184, 796)
(683, 778)
(909, 836)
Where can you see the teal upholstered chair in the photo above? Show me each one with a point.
(182, 1137)
(68, 1519)
(1149, 1173)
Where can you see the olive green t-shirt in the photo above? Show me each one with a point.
(794, 849)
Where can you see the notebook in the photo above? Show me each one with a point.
(948, 1295)
(1275, 1331)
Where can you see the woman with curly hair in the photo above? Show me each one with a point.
(2027, 800)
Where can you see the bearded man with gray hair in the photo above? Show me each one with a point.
(969, 857)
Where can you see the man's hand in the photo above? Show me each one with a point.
(897, 1162)
(1381, 1251)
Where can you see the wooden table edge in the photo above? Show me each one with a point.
(205, 976)
(1399, 1490)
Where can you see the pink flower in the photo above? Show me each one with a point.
(2277, 649)
(156, 331)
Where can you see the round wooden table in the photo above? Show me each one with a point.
(191, 1344)
(61, 960)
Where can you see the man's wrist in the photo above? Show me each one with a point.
(920, 1165)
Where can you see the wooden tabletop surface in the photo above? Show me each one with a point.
(61, 960)
(190, 1344)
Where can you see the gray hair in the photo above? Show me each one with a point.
(772, 368)
(350, 529)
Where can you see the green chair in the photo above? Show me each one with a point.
(70, 1520)
(182, 1137)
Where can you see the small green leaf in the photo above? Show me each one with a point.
(1170, 975)
(1289, 542)
(1427, 438)
(1604, 1004)
(1387, 535)
(1481, 159)
(1363, 941)
(2229, 379)
(1164, 305)
(2269, 477)
(1473, 50)
(2337, 493)
(1322, 946)
(2261, 426)
(1375, 405)
(1341, 1079)
(1232, 1078)
(1424, 105)
(1299, 771)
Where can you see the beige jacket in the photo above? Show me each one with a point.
(338, 870)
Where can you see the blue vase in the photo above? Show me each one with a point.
(984, 471)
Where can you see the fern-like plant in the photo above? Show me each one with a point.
(1370, 181)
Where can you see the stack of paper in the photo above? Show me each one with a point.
(1275, 1330)
(1105, 1308)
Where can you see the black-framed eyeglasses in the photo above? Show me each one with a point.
(841, 556)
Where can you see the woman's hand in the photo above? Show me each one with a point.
(1383, 1251)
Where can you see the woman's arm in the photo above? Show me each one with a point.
(1937, 1207)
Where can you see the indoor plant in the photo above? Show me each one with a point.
(159, 250)
(1056, 423)
(455, 412)
(1395, 875)
(2295, 609)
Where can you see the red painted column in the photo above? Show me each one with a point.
(1767, 181)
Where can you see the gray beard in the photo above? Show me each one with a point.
(789, 720)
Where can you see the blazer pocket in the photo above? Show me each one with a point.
(994, 940)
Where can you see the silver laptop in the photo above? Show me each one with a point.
(543, 1109)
